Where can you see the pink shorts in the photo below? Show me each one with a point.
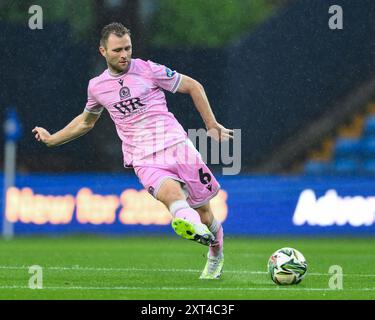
(181, 162)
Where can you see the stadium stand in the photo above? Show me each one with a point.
(350, 152)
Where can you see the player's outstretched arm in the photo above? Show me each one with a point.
(76, 128)
(199, 97)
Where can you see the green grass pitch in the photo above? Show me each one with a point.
(94, 267)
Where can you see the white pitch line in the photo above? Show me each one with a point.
(185, 288)
(78, 268)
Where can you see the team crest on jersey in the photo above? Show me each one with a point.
(124, 93)
(169, 72)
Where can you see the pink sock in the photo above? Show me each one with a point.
(188, 214)
(217, 249)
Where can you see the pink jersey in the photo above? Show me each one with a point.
(136, 103)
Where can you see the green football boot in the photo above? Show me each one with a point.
(191, 231)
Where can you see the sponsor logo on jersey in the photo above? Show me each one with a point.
(129, 106)
(169, 72)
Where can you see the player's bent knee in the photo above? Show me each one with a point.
(206, 214)
(170, 191)
(206, 219)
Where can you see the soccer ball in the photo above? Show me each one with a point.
(287, 266)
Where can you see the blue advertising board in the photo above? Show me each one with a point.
(247, 205)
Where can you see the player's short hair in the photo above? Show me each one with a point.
(115, 28)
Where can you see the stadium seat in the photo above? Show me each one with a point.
(369, 166)
(369, 127)
(315, 167)
(347, 147)
(346, 166)
(367, 148)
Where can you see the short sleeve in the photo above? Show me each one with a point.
(92, 105)
(164, 77)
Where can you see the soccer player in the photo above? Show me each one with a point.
(154, 144)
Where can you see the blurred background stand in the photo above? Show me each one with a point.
(12, 132)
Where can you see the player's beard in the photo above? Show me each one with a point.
(119, 68)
